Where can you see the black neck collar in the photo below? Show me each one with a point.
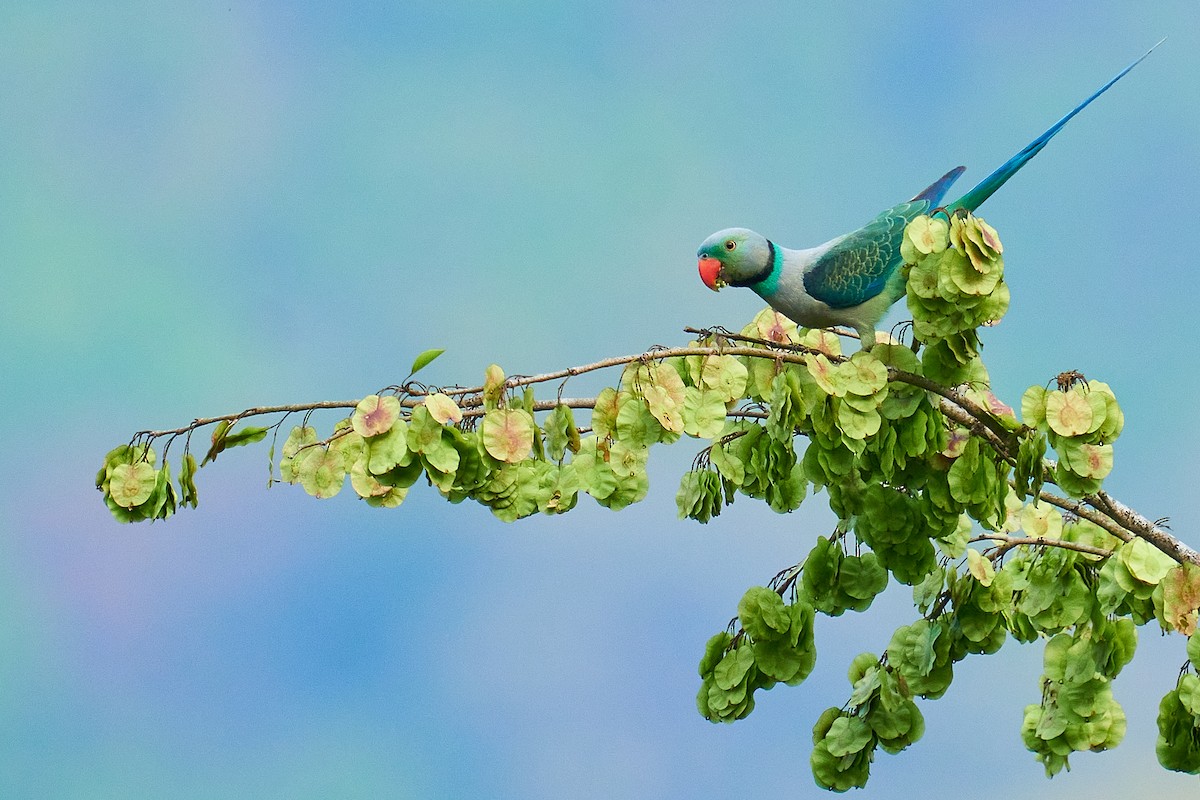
(763, 273)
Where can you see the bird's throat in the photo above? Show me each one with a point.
(766, 279)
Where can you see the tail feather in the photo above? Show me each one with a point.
(974, 198)
(935, 191)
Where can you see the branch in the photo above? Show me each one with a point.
(1101, 509)
(1146, 529)
(1009, 542)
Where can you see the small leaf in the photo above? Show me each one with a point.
(424, 360)
(508, 434)
(1033, 406)
(981, 568)
(375, 415)
(321, 472)
(703, 413)
(1068, 413)
(1181, 597)
(218, 441)
(1144, 561)
(724, 374)
(604, 413)
(245, 436)
(365, 484)
(1041, 521)
(847, 735)
(927, 235)
(493, 386)
(187, 482)
(769, 324)
(827, 375)
(443, 409)
(301, 437)
(558, 427)
(664, 394)
(390, 449)
(130, 485)
(865, 374)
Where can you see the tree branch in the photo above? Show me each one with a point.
(1009, 542)
(1101, 509)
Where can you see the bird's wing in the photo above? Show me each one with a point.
(858, 267)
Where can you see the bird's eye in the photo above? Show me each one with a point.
(730, 244)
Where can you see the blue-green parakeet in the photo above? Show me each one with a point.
(853, 279)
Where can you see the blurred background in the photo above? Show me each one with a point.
(207, 206)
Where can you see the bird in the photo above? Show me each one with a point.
(853, 279)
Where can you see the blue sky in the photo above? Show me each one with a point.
(208, 206)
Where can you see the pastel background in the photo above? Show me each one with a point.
(206, 206)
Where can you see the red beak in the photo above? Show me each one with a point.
(710, 271)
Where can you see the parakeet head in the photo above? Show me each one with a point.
(734, 257)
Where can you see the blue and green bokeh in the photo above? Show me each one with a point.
(214, 205)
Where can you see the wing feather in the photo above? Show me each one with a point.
(858, 267)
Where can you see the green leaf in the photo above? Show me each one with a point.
(364, 483)
(389, 450)
(595, 476)
(827, 375)
(763, 614)
(862, 577)
(924, 235)
(374, 415)
(627, 460)
(1033, 406)
(848, 734)
(423, 430)
(604, 413)
(714, 650)
(1114, 418)
(442, 408)
(187, 484)
(1068, 413)
(1144, 561)
(424, 360)
(218, 441)
(298, 441)
(733, 668)
(347, 443)
(321, 472)
(493, 386)
(559, 427)
(968, 280)
(728, 464)
(636, 425)
(1087, 460)
(1181, 597)
(248, 435)
(444, 457)
(1041, 521)
(785, 494)
(663, 391)
(508, 434)
(772, 326)
(857, 424)
(725, 375)
(703, 413)
(130, 485)
(865, 374)
(981, 568)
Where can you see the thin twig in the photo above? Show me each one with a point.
(1009, 542)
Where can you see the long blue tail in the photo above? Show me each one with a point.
(986, 187)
